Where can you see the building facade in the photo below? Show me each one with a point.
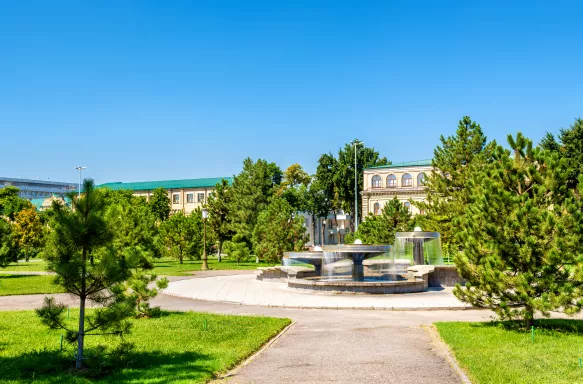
(38, 189)
(405, 181)
(185, 195)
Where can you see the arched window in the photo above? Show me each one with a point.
(407, 205)
(407, 180)
(376, 181)
(421, 179)
(391, 181)
(377, 209)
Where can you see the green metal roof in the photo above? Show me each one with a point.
(37, 203)
(167, 184)
(404, 164)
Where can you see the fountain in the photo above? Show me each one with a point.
(412, 265)
(419, 247)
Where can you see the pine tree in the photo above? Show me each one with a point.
(160, 204)
(451, 170)
(278, 229)
(251, 192)
(218, 206)
(381, 229)
(81, 254)
(572, 150)
(521, 235)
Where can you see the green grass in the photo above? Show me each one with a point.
(27, 284)
(31, 266)
(171, 267)
(174, 348)
(498, 353)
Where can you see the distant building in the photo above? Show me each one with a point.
(37, 189)
(185, 195)
(43, 204)
(405, 181)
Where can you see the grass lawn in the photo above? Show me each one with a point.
(27, 284)
(31, 266)
(495, 353)
(171, 267)
(174, 348)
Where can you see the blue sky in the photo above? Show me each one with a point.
(145, 90)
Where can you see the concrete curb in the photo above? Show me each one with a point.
(247, 361)
(269, 305)
(436, 338)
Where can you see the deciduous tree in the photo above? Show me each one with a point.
(29, 232)
(218, 206)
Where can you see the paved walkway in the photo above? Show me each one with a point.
(245, 289)
(324, 345)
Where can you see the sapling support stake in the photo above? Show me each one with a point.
(532, 333)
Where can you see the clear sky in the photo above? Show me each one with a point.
(147, 90)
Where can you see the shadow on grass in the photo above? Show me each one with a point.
(51, 366)
(550, 326)
(6, 277)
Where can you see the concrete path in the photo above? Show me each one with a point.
(245, 289)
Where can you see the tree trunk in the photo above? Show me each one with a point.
(82, 297)
(81, 336)
(220, 250)
(529, 318)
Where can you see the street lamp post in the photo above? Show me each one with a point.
(205, 215)
(323, 230)
(80, 169)
(356, 143)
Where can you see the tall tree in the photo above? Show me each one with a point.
(29, 232)
(294, 186)
(11, 203)
(160, 204)
(451, 163)
(366, 157)
(278, 230)
(521, 234)
(80, 252)
(251, 192)
(180, 237)
(218, 206)
(135, 234)
(572, 150)
(8, 245)
(381, 229)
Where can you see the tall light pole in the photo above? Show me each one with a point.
(356, 143)
(205, 215)
(80, 169)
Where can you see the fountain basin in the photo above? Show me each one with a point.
(331, 285)
(313, 258)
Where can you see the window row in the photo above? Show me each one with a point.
(406, 180)
(377, 207)
(189, 198)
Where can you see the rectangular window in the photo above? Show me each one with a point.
(176, 198)
(190, 198)
(201, 197)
